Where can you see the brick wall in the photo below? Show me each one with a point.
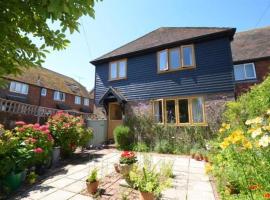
(34, 98)
(262, 70)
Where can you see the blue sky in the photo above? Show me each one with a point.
(120, 21)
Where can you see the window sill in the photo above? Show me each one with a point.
(179, 69)
(59, 100)
(118, 79)
(247, 81)
(183, 125)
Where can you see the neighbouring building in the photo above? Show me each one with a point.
(42, 87)
(251, 57)
(180, 76)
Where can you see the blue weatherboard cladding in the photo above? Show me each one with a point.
(213, 74)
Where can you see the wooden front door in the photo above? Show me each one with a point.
(115, 118)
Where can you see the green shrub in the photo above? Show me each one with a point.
(122, 137)
(140, 147)
(85, 136)
(164, 146)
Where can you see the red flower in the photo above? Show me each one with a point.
(38, 150)
(128, 154)
(253, 187)
(50, 138)
(20, 123)
(266, 195)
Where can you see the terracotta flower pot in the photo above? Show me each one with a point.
(125, 169)
(146, 196)
(116, 167)
(92, 187)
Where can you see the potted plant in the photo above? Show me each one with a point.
(92, 182)
(32, 177)
(148, 181)
(127, 159)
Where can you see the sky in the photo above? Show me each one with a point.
(118, 22)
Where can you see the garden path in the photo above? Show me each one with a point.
(68, 182)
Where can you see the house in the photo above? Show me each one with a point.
(251, 57)
(180, 76)
(42, 87)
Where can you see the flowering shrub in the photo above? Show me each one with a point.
(128, 157)
(68, 132)
(241, 159)
(35, 142)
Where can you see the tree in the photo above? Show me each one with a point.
(23, 20)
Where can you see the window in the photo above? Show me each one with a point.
(188, 56)
(86, 102)
(118, 70)
(244, 72)
(183, 111)
(176, 58)
(77, 100)
(170, 111)
(18, 87)
(157, 107)
(163, 60)
(180, 111)
(43, 92)
(59, 96)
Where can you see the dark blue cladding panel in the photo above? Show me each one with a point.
(213, 73)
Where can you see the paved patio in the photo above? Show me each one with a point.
(190, 182)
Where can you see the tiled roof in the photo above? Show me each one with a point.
(252, 44)
(164, 36)
(52, 80)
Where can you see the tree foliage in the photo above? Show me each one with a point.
(23, 21)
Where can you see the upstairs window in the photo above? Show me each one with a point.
(118, 70)
(17, 87)
(176, 58)
(59, 96)
(86, 102)
(77, 100)
(43, 92)
(244, 71)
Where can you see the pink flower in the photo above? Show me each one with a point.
(20, 123)
(21, 129)
(36, 125)
(38, 150)
(50, 138)
(46, 131)
(32, 140)
(43, 128)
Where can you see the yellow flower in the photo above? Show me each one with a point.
(224, 144)
(247, 144)
(221, 130)
(226, 126)
(256, 120)
(208, 168)
(236, 136)
(267, 128)
(264, 141)
(256, 132)
(268, 112)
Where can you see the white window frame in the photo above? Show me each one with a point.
(117, 62)
(245, 73)
(57, 96)
(77, 100)
(43, 92)
(86, 102)
(18, 87)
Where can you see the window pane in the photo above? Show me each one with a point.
(12, 86)
(43, 92)
(239, 73)
(86, 102)
(24, 89)
(158, 111)
(163, 62)
(187, 56)
(77, 100)
(113, 70)
(174, 58)
(170, 110)
(56, 95)
(115, 112)
(122, 69)
(197, 110)
(183, 111)
(250, 70)
(18, 87)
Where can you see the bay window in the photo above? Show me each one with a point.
(179, 111)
